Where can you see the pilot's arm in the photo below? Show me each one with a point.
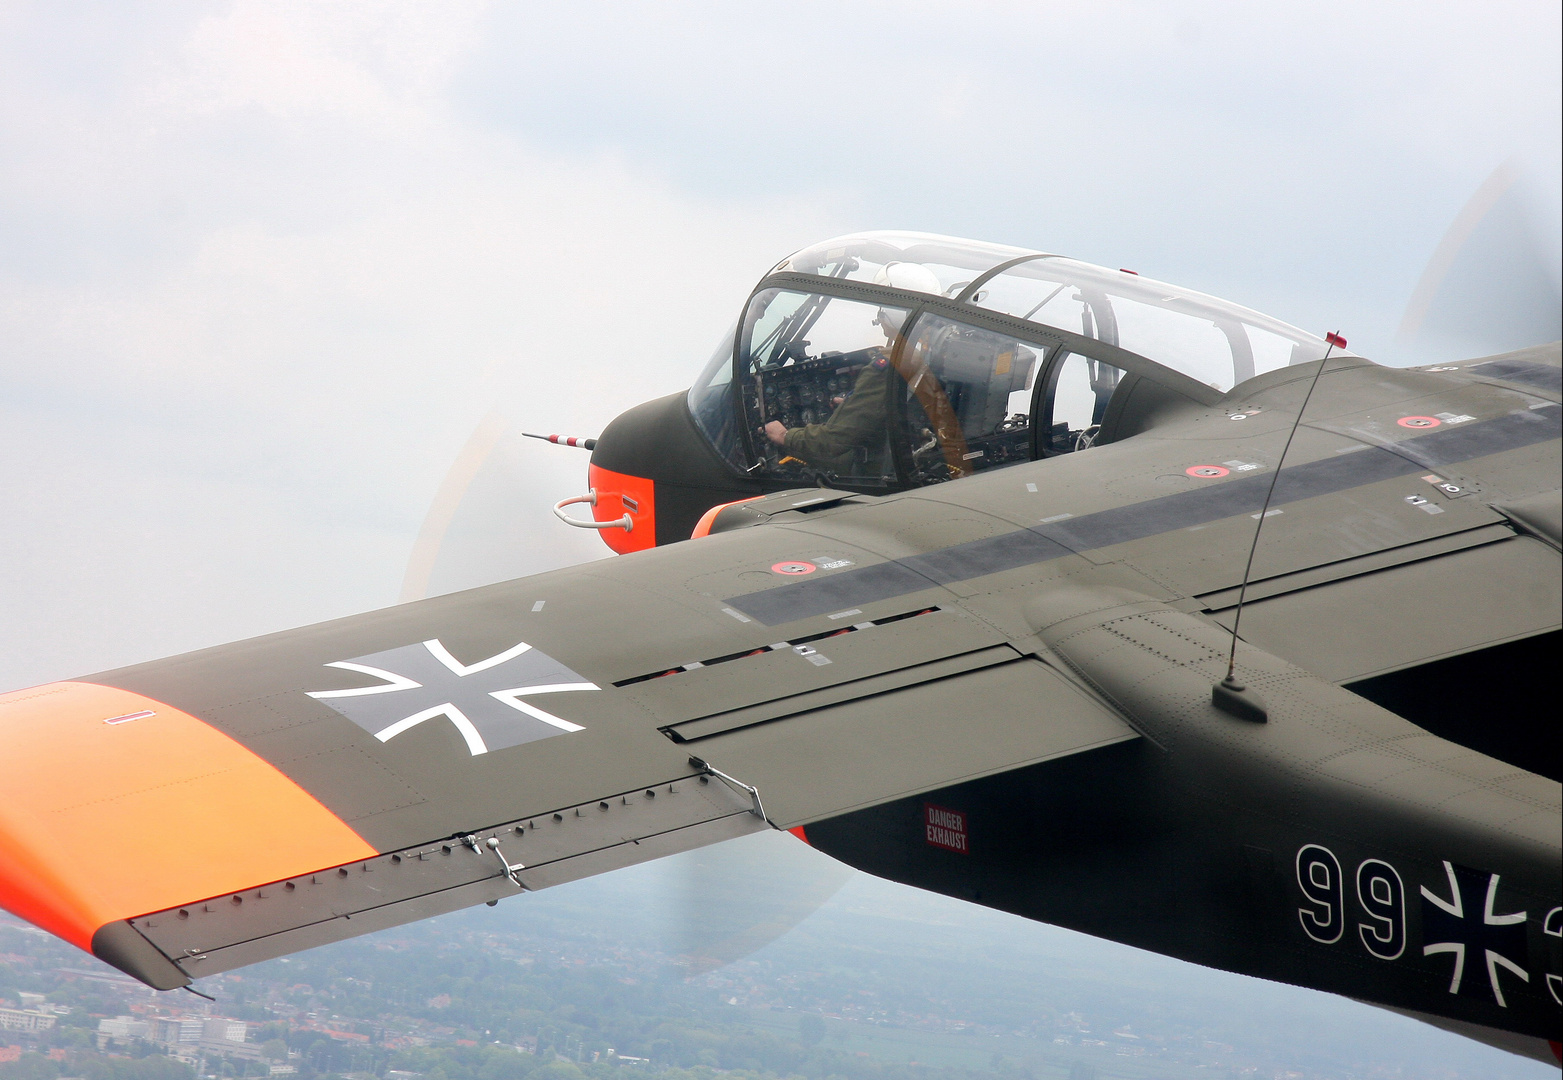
(859, 421)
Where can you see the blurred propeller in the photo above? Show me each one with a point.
(1491, 285)
(719, 904)
(490, 521)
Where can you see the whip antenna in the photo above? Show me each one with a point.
(1230, 695)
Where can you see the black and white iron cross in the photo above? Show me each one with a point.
(482, 700)
(1468, 926)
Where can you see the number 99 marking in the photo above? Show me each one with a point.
(1383, 897)
(1318, 876)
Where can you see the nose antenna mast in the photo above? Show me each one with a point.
(1229, 695)
(565, 440)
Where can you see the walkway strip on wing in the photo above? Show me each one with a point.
(1152, 517)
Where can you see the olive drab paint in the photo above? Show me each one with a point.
(988, 672)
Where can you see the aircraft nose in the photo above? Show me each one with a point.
(627, 506)
(654, 465)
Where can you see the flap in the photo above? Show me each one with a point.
(786, 669)
(783, 707)
(890, 745)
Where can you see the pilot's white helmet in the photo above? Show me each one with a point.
(909, 275)
(914, 277)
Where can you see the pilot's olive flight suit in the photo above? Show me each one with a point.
(859, 423)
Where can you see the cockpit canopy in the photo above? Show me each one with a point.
(886, 360)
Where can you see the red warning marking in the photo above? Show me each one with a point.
(1419, 421)
(794, 568)
(1206, 472)
(1335, 339)
(945, 828)
(128, 717)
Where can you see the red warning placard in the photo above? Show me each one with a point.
(945, 828)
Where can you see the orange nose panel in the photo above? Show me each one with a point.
(619, 494)
(113, 805)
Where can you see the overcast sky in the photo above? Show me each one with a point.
(264, 266)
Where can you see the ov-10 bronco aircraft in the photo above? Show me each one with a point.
(939, 564)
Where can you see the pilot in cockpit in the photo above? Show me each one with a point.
(860, 419)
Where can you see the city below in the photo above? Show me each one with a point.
(625, 972)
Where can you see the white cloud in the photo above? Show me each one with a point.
(296, 250)
(297, 59)
(277, 371)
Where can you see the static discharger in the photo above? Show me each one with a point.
(1229, 695)
(564, 440)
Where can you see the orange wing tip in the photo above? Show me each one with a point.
(117, 805)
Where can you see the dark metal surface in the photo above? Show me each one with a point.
(1187, 842)
(1149, 518)
(1030, 651)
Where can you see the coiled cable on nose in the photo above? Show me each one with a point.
(590, 499)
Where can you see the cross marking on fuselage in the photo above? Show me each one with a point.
(1454, 926)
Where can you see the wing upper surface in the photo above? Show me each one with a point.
(1381, 621)
(457, 749)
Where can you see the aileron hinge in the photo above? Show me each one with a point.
(758, 809)
(492, 843)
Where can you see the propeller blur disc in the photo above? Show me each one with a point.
(1491, 285)
(490, 521)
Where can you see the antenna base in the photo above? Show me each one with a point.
(1235, 699)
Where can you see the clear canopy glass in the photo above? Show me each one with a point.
(865, 256)
(713, 406)
(1075, 404)
(1213, 341)
(1216, 342)
(816, 386)
(968, 398)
